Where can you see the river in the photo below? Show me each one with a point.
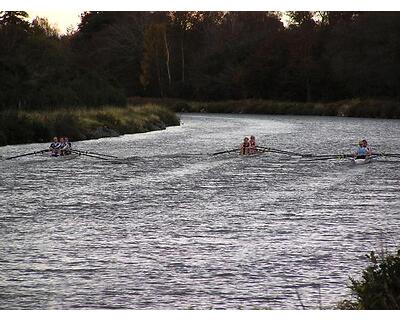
(177, 228)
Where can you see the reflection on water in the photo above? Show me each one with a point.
(178, 228)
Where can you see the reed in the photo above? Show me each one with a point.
(82, 123)
(365, 108)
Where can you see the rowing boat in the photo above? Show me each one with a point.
(60, 158)
(257, 153)
(358, 161)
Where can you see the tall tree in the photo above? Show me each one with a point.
(155, 53)
(112, 44)
(303, 36)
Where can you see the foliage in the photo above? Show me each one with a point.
(39, 70)
(81, 123)
(379, 287)
(203, 56)
(370, 108)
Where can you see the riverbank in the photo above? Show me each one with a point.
(364, 108)
(80, 124)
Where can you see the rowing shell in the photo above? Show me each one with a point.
(257, 153)
(361, 160)
(60, 158)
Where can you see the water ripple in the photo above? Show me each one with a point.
(178, 228)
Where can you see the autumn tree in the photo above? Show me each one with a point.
(155, 64)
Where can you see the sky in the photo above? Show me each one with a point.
(67, 13)
(61, 19)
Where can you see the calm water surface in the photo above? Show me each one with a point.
(177, 228)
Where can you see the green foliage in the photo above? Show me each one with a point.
(379, 287)
(15, 127)
(81, 123)
(163, 114)
(108, 118)
(39, 70)
(366, 108)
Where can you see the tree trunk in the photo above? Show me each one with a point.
(308, 88)
(167, 56)
(183, 61)
(159, 75)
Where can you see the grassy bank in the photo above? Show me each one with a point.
(367, 108)
(80, 124)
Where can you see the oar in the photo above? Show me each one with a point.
(394, 155)
(221, 152)
(26, 154)
(90, 155)
(330, 156)
(388, 161)
(317, 159)
(280, 151)
(95, 153)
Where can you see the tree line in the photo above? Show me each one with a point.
(206, 56)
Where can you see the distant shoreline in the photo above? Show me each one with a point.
(149, 114)
(363, 108)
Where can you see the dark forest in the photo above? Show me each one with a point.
(202, 56)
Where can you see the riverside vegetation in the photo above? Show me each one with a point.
(346, 108)
(319, 63)
(199, 56)
(79, 124)
(146, 114)
(379, 287)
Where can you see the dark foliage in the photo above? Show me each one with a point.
(379, 288)
(318, 56)
(39, 70)
(79, 124)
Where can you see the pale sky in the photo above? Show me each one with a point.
(65, 14)
(61, 19)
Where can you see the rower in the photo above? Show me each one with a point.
(244, 147)
(68, 146)
(54, 147)
(361, 152)
(62, 146)
(367, 148)
(252, 145)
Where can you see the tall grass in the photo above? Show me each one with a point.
(366, 108)
(79, 124)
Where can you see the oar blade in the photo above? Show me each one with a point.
(90, 155)
(227, 151)
(273, 150)
(26, 154)
(330, 156)
(382, 154)
(96, 153)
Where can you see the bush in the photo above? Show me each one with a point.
(108, 119)
(41, 132)
(3, 138)
(16, 127)
(344, 108)
(79, 124)
(182, 107)
(379, 288)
